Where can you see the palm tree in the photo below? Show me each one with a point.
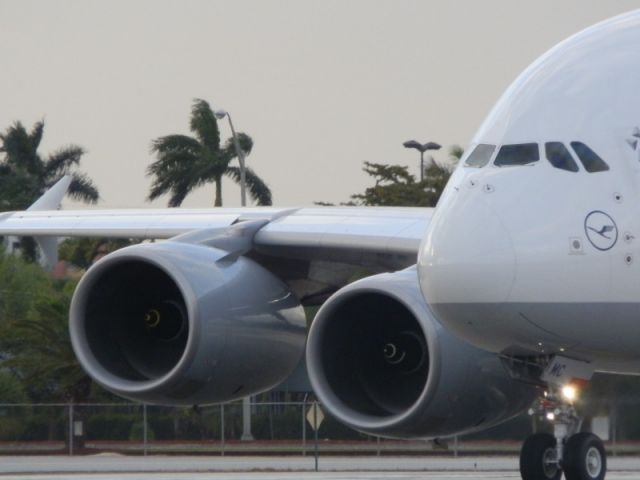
(185, 163)
(25, 175)
(455, 153)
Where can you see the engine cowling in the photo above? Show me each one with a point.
(176, 323)
(382, 364)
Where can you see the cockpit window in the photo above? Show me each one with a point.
(559, 156)
(590, 159)
(518, 154)
(480, 155)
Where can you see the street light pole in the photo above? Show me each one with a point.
(246, 401)
(220, 114)
(421, 148)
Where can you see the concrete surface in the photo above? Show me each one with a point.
(157, 467)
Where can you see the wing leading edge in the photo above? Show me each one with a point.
(314, 250)
(385, 230)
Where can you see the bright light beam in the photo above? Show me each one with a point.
(569, 392)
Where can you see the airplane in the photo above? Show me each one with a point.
(506, 297)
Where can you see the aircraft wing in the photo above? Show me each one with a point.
(314, 250)
(386, 230)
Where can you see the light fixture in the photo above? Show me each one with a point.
(421, 147)
(569, 392)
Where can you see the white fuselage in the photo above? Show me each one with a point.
(533, 258)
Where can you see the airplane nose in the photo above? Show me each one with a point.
(467, 259)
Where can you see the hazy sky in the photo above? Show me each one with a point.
(321, 86)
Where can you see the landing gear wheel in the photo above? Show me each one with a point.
(538, 458)
(584, 458)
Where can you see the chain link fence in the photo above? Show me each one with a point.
(275, 428)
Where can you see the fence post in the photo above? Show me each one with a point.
(144, 427)
(304, 431)
(70, 429)
(315, 431)
(613, 426)
(246, 419)
(222, 429)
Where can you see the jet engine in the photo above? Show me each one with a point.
(177, 323)
(381, 363)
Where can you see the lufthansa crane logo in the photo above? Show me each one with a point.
(601, 230)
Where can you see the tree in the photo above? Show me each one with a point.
(455, 153)
(40, 350)
(34, 335)
(395, 186)
(81, 252)
(11, 388)
(185, 163)
(18, 283)
(25, 175)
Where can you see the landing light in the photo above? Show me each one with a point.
(569, 392)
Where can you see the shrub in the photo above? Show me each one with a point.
(137, 432)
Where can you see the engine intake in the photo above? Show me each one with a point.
(175, 323)
(375, 353)
(381, 363)
(140, 309)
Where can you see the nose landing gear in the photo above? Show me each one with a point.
(581, 456)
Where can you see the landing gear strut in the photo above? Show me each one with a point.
(544, 456)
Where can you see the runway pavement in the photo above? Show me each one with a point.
(299, 476)
(112, 467)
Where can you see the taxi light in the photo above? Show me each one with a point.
(569, 392)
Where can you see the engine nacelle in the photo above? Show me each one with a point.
(382, 364)
(176, 323)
